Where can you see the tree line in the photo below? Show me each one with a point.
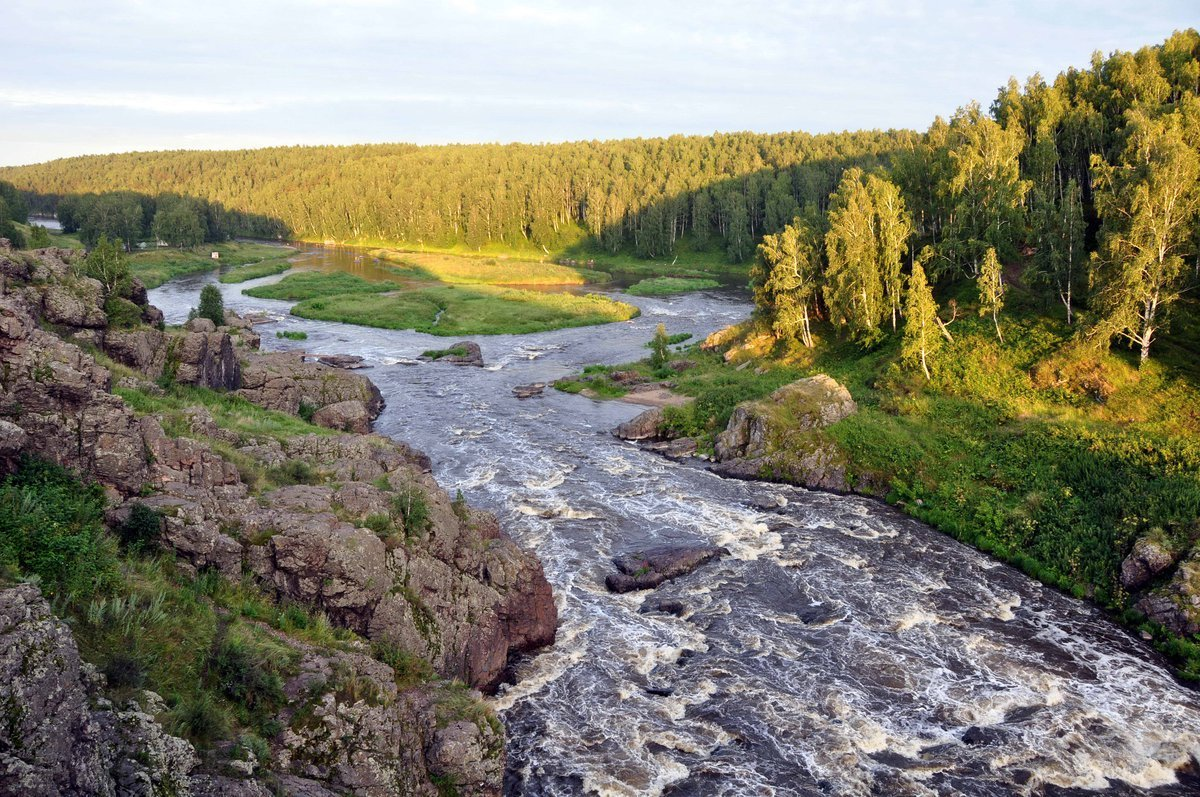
(644, 196)
(1089, 187)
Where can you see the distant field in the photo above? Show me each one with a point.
(498, 270)
(157, 266)
(440, 309)
(665, 286)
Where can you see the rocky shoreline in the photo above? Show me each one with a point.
(445, 585)
(779, 439)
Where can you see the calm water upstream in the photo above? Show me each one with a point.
(842, 649)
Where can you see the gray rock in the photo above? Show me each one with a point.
(529, 391)
(648, 568)
(1148, 558)
(646, 426)
(202, 325)
(345, 416)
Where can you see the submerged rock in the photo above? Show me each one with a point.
(529, 391)
(346, 361)
(648, 568)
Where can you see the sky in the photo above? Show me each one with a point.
(89, 77)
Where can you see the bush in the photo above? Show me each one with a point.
(212, 305)
(108, 264)
(140, 532)
(244, 676)
(199, 719)
(54, 529)
(291, 335)
(411, 509)
(122, 313)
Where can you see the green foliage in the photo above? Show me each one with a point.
(122, 313)
(54, 530)
(660, 351)
(316, 284)
(290, 334)
(212, 305)
(179, 225)
(443, 310)
(504, 270)
(106, 262)
(922, 338)
(665, 286)
(410, 508)
(437, 354)
(140, 532)
(294, 471)
(410, 670)
(787, 278)
(39, 237)
(157, 266)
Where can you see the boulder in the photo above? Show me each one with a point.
(1177, 604)
(207, 359)
(675, 449)
(345, 416)
(203, 325)
(143, 350)
(650, 567)
(646, 426)
(1149, 557)
(283, 381)
(807, 404)
(780, 438)
(472, 355)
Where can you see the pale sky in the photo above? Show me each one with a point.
(91, 77)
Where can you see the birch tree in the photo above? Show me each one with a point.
(922, 331)
(991, 289)
(787, 279)
(1147, 202)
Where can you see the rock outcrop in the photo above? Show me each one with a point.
(60, 735)
(646, 426)
(462, 353)
(346, 728)
(283, 381)
(363, 534)
(1149, 557)
(779, 436)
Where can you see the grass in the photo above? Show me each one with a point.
(437, 354)
(251, 271)
(314, 284)
(665, 286)
(488, 270)
(157, 266)
(59, 239)
(290, 334)
(447, 310)
(229, 411)
(1047, 455)
(458, 311)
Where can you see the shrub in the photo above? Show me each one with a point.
(244, 676)
(54, 529)
(123, 671)
(200, 719)
(140, 532)
(108, 264)
(122, 313)
(411, 509)
(212, 305)
(291, 335)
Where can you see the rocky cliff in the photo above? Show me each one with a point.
(350, 526)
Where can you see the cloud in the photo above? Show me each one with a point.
(127, 100)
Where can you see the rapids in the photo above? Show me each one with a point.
(842, 649)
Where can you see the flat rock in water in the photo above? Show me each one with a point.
(650, 567)
(675, 449)
(529, 391)
(347, 361)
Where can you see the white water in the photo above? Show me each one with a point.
(842, 649)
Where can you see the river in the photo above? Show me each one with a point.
(841, 649)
